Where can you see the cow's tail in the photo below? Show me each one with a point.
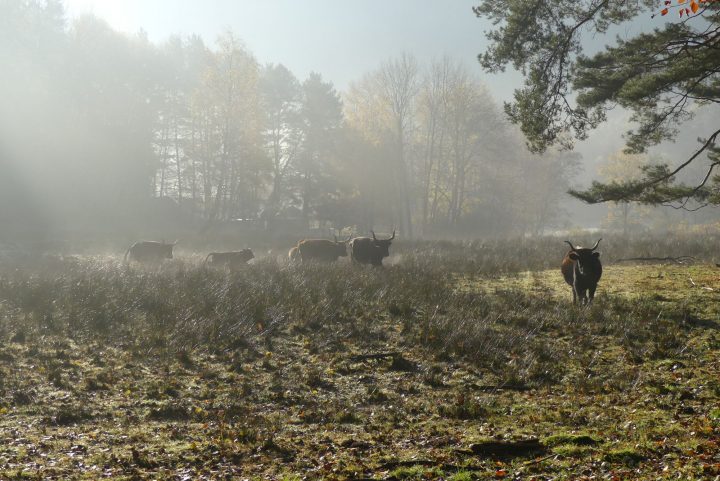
(300, 256)
(127, 254)
(206, 259)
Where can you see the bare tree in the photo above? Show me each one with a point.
(281, 99)
(398, 80)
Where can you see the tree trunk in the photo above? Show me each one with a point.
(193, 173)
(206, 170)
(406, 215)
(625, 211)
(438, 180)
(178, 165)
(163, 159)
(427, 174)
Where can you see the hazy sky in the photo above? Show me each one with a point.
(337, 38)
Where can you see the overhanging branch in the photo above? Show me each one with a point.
(638, 190)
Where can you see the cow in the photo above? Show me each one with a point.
(321, 250)
(582, 269)
(294, 255)
(367, 250)
(149, 251)
(231, 259)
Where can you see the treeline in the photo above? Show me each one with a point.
(102, 129)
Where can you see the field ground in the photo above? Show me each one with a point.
(626, 389)
(695, 286)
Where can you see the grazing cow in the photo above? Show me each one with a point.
(294, 255)
(149, 251)
(366, 250)
(229, 259)
(582, 269)
(321, 250)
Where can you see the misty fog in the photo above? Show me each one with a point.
(107, 134)
(304, 240)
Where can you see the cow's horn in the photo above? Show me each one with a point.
(392, 236)
(572, 247)
(596, 244)
(373, 233)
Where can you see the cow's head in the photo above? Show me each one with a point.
(382, 246)
(585, 259)
(342, 246)
(167, 250)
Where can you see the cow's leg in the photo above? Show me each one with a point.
(582, 294)
(579, 293)
(574, 296)
(592, 294)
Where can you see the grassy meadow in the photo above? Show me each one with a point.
(419, 370)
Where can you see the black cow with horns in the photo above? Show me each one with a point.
(582, 269)
(370, 250)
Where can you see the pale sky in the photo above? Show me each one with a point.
(337, 38)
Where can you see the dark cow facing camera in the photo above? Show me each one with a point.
(582, 269)
(231, 259)
(370, 250)
(149, 251)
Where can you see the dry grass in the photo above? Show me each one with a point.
(178, 371)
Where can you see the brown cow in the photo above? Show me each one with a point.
(321, 250)
(149, 251)
(231, 259)
(294, 254)
(582, 269)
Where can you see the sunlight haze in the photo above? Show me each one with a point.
(305, 240)
(339, 39)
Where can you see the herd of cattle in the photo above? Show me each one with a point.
(580, 267)
(362, 250)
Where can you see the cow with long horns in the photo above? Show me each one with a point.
(582, 269)
(370, 250)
